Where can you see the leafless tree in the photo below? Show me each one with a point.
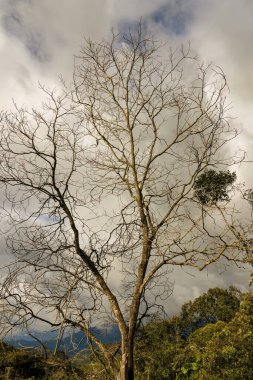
(98, 189)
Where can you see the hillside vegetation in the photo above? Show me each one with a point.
(211, 339)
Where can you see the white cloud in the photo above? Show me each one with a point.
(38, 40)
(222, 33)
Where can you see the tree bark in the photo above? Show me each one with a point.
(126, 368)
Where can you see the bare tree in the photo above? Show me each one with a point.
(99, 189)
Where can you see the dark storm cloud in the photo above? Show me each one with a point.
(175, 16)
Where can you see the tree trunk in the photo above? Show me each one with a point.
(127, 365)
(126, 372)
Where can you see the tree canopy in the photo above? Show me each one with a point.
(216, 349)
(99, 190)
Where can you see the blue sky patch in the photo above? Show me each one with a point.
(175, 16)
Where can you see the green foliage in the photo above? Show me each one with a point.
(215, 351)
(156, 347)
(214, 305)
(211, 186)
(221, 350)
(19, 364)
(229, 353)
(200, 338)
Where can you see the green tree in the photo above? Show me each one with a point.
(212, 186)
(229, 354)
(214, 305)
(170, 349)
(157, 344)
(221, 350)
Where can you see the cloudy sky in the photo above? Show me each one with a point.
(38, 39)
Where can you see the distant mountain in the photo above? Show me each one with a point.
(71, 343)
(76, 342)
